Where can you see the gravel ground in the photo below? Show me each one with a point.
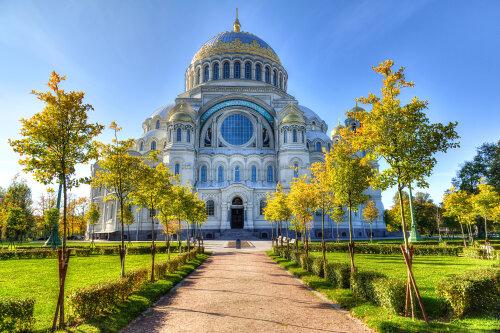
(243, 291)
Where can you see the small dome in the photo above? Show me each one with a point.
(336, 130)
(357, 109)
(181, 116)
(292, 117)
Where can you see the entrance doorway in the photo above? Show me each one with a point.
(237, 214)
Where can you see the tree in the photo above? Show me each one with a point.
(54, 142)
(128, 217)
(403, 136)
(19, 195)
(458, 204)
(370, 214)
(177, 208)
(15, 223)
(92, 216)
(195, 213)
(117, 171)
(337, 214)
(349, 177)
(485, 204)
(45, 202)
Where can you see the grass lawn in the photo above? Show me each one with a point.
(4, 245)
(39, 278)
(428, 270)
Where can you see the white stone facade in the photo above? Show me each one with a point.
(233, 134)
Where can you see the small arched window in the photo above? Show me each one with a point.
(142, 146)
(353, 127)
(267, 75)
(329, 147)
(237, 174)
(281, 81)
(318, 146)
(210, 208)
(303, 135)
(225, 72)
(262, 206)
(206, 74)
(294, 135)
(215, 72)
(254, 174)
(157, 124)
(220, 174)
(285, 134)
(258, 72)
(313, 125)
(275, 78)
(270, 174)
(177, 169)
(153, 145)
(203, 176)
(179, 135)
(248, 71)
(198, 79)
(237, 70)
(295, 170)
(188, 136)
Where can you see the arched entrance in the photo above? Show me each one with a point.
(237, 213)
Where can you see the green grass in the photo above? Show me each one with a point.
(5, 245)
(39, 278)
(428, 271)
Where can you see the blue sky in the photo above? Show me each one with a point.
(130, 58)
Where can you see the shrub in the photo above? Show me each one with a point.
(338, 274)
(477, 253)
(317, 267)
(295, 256)
(16, 314)
(473, 292)
(306, 262)
(362, 284)
(365, 248)
(82, 252)
(390, 293)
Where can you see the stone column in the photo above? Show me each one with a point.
(224, 217)
(249, 217)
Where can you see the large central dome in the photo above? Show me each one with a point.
(236, 42)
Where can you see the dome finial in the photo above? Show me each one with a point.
(236, 24)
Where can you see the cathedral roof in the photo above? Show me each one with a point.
(181, 116)
(163, 111)
(313, 135)
(308, 112)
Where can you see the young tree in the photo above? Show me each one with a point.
(370, 214)
(92, 216)
(177, 208)
(485, 204)
(403, 136)
(19, 195)
(349, 177)
(337, 214)
(128, 217)
(195, 213)
(54, 142)
(117, 171)
(458, 204)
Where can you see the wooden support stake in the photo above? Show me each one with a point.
(408, 266)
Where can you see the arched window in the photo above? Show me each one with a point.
(267, 75)
(225, 71)
(170, 135)
(329, 147)
(258, 72)
(353, 127)
(318, 146)
(177, 169)
(237, 70)
(179, 135)
(203, 176)
(198, 79)
(296, 170)
(254, 174)
(285, 134)
(188, 136)
(237, 174)
(275, 78)
(294, 135)
(142, 146)
(153, 145)
(270, 174)
(157, 124)
(215, 72)
(206, 74)
(281, 81)
(313, 125)
(303, 135)
(220, 174)
(248, 71)
(210, 208)
(262, 206)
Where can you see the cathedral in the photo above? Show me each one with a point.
(233, 134)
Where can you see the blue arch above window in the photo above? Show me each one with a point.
(236, 102)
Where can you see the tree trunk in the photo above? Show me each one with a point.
(338, 235)
(187, 238)
(323, 247)
(351, 243)
(405, 237)
(287, 238)
(179, 233)
(463, 235)
(371, 233)
(272, 235)
(296, 241)
(281, 233)
(64, 260)
(153, 248)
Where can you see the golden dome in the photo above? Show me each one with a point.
(292, 117)
(181, 116)
(336, 129)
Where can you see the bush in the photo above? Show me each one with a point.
(317, 267)
(16, 314)
(366, 248)
(295, 257)
(473, 292)
(338, 274)
(306, 262)
(390, 293)
(477, 253)
(362, 284)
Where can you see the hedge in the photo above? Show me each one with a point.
(390, 293)
(362, 284)
(338, 274)
(363, 248)
(16, 314)
(306, 262)
(92, 300)
(477, 253)
(473, 292)
(317, 267)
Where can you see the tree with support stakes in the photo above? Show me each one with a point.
(403, 136)
(93, 215)
(349, 176)
(117, 171)
(54, 142)
(370, 214)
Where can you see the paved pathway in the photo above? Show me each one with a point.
(247, 292)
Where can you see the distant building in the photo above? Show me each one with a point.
(233, 134)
